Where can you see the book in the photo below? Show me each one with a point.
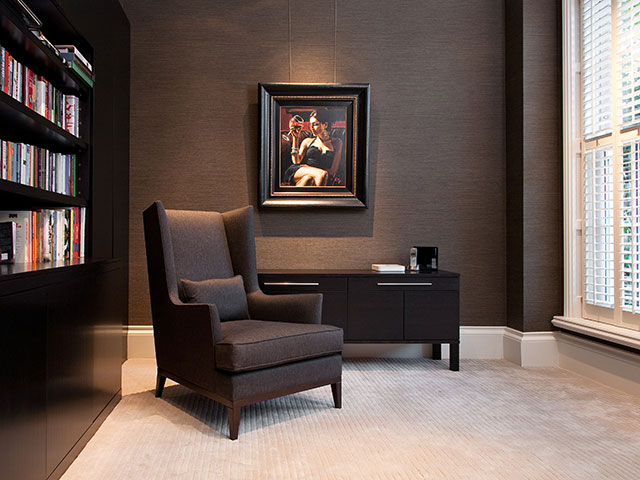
(71, 114)
(45, 41)
(7, 242)
(75, 215)
(74, 66)
(83, 219)
(69, 58)
(73, 50)
(388, 267)
(3, 54)
(66, 237)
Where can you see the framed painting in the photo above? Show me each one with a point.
(314, 145)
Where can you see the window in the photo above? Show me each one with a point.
(607, 149)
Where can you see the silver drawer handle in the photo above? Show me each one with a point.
(296, 284)
(404, 284)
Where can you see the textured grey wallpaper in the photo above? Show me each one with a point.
(534, 166)
(437, 150)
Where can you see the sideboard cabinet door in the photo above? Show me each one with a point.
(375, 311)
(431, 315)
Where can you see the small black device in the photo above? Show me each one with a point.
(424, 259)
(7, 242)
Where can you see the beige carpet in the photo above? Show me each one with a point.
(401, 419)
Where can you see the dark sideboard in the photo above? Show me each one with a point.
(375, 307)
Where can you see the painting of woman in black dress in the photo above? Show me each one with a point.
(313, 145)
(312, 153)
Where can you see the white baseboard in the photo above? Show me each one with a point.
(530, 349)
(610, 366)
(140, 341)
(481, 343)
(614, 367)
(475, 342)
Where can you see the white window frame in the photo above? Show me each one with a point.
(572, 158)
(572, 189)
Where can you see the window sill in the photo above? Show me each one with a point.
(603, 331)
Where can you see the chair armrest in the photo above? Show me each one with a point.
(185, 335)
(293, 308)
(202, 319)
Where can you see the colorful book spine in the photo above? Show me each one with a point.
(71, 114)
(81, 73)
(34, 91)
(48, 234)
(3, 54)
(37, 167)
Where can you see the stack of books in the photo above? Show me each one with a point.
(76, 62)
(388, 267)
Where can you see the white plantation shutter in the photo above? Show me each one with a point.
(598, 228)
(628, 35)
(602, 125)
(596, 67)
(630, 228)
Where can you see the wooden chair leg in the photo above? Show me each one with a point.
(160, 385)
(336, 390)
(234, 421)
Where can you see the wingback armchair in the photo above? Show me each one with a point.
(215, 331)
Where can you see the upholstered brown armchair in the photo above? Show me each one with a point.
(215, 331)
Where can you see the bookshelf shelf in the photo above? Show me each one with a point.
(22, 124)
(24, 270)
(17, 195)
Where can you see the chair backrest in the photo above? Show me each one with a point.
(200, 248)
(197, 245)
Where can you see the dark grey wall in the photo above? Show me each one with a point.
(438, 169)
(543, 244)
(105, 26)
(534, 166)
(514, 132)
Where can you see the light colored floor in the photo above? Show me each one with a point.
(401, 419)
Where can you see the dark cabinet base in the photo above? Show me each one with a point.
(23, 428)
(84, 439)
(61, 352)
(376, 307)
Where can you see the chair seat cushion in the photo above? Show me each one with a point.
(255, 344)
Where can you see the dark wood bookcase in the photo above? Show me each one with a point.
(61, 346)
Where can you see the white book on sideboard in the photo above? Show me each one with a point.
(388, 267)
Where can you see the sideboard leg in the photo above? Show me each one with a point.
(437, 351)
(454, 354)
